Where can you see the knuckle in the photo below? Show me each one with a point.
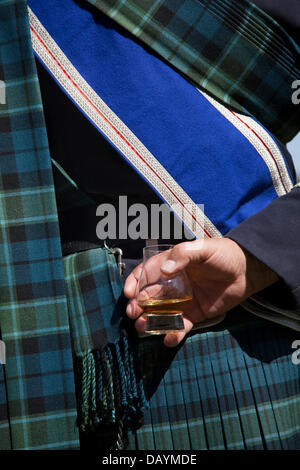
(180, 250)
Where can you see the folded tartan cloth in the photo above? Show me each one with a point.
(108, 386)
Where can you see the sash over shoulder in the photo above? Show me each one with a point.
(190, 148)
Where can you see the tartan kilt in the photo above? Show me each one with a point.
(233, 386)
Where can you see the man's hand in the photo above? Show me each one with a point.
(221, 273)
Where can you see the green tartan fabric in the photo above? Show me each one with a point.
(94, 288)
(231, 387)
(37, 398)
(232, 49)
(103, 351)
(60, 318)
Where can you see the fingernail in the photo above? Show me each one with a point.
(168, 266)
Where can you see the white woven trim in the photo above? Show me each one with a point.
(254, 132)
(131, 147)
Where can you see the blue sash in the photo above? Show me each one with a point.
(191, 149)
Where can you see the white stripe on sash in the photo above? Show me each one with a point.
(262, 142)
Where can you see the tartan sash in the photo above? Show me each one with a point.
(38, 405)
(60, 318)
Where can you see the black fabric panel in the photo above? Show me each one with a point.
(98, 170)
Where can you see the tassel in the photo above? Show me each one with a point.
(109, 388)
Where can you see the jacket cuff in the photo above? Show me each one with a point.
(273, 236)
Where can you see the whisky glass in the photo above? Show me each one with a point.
(162, 299)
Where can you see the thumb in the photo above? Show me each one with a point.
(185, 253)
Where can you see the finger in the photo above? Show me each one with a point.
(173, 339)
(140, 324)
(183, 254)
(133, 309)
(131, 282)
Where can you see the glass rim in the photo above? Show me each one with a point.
(155, 247)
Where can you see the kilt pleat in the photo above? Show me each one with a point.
(210, 401)
(246, 406)
(5, 437)
(233, 386)
(224, 393)
(259, 376)
(289, 379)
(159, 412)
(192, 400)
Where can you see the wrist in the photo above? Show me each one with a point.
(258, 275)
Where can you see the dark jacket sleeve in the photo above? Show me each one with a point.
(273, 236)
